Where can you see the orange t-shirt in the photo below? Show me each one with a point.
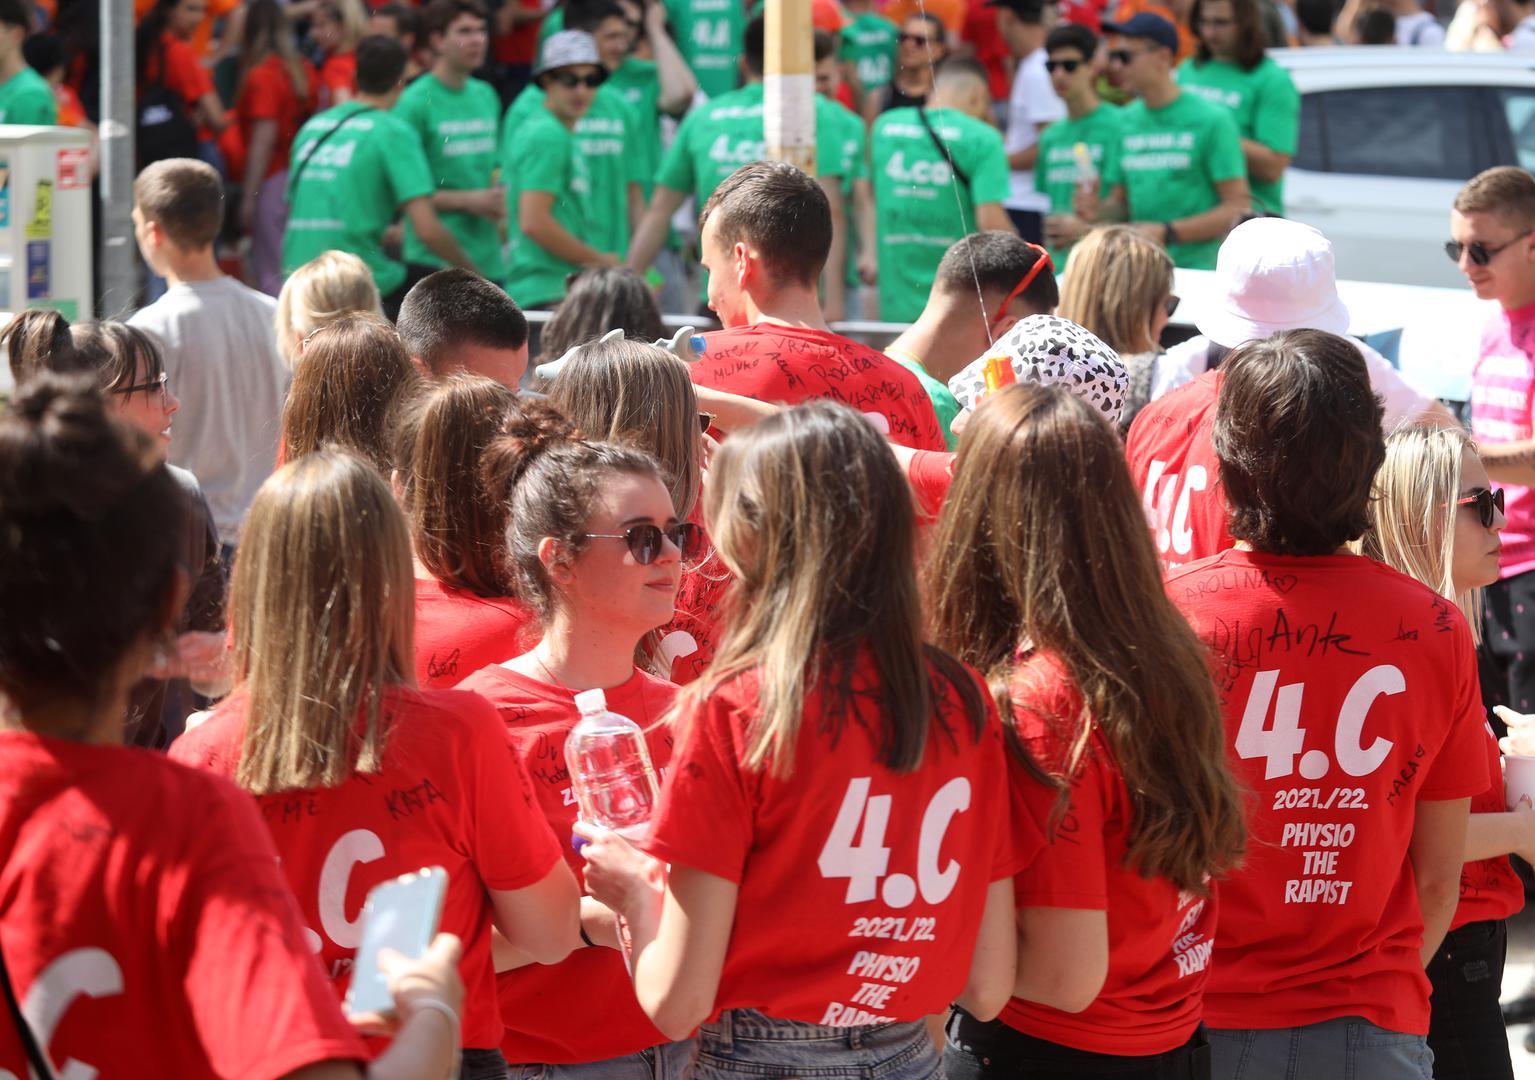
(269, 94)
(203, 35)
(951, 12)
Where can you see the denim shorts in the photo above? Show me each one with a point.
(669, 1061)
(745, 1043)
(1347, 1048)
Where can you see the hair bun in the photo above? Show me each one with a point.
(60, 450)
(530, 430)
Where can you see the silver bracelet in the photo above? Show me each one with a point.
(438, 1006)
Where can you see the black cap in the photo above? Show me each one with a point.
(1148, 27)
(1031, 11)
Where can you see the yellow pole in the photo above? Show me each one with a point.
(788, 115)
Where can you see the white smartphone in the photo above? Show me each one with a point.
(402, 915)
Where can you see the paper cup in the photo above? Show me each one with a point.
(1518, 779)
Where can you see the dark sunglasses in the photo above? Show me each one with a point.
(1488, 503)
(1170, 305)
(705, 421)
(570, 80)
(1480, 253)
(1122, 56)
(645, 540)
(914, 39)
(1068, 66)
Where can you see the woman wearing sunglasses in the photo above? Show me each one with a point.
(595, 551)
(361, 776)
(1438, 519)
(1119, 285)
(1119, 750)
(466, 616)
(834, 816)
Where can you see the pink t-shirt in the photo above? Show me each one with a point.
(1502, 386)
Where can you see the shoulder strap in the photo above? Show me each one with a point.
(314, 147)
(41, 1067)
(932, 133)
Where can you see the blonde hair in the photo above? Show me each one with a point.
(1115, 280)
(637, 395)
(1413, 510)
(353, 19)
(324, 622)
(328, 286)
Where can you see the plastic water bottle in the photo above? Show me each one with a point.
(610, 768)
(1086, 172)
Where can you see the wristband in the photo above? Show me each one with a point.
(590, 944)
(437, 1006)
(1169, 234)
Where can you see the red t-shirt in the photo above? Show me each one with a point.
(1350, 693)
(548, 1010)
(990, 50)
(338, 79)
(1160, 938)
(450, 794)
(930, 474)
(790, 364)
(1489, 889)
(457, 632)
(269, 94)
(689, 641)
(861, 889)
(520, 44)
(184, 74)
(144, 923)
(1173, 463)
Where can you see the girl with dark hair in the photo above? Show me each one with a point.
(456, 500)
(1231, 69)
(595, 549)
(275, 92)
(167, 60)
(143, 918)
(356, 768)
(1118, 747)
(598, 300)
(822, 764)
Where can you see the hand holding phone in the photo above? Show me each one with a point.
(400, 916)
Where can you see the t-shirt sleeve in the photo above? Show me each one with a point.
(239, 936)
(830, 154)
(704, 819)
(512, 844)
(545, 161)
(1460, 768)
(1070, 870)
(409, 175)
(989, 178)
(676, 171)
(1276, 123)
(1223, 152)
(931, 474)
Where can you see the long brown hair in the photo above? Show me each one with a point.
(349, 384)
(1020, 560)
(267, 32)
(811, 513)
(1251, 37)
(456, 506)
(324, 622)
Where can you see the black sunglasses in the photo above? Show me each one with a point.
(645, 540)
(1170, 305)
(1068, 66)
(570, 80)
(705, 421)
(914, 39)
(1122, 56)
(1480, 253)
(1487, 501)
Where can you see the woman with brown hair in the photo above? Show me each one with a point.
(1119, 285)
(1118, 747)
(838, 786)
(456, 503)
(349, 385)
(361, 776)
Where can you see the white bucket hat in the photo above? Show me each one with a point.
(569, 48)
(1272, 275)
(1050, 350)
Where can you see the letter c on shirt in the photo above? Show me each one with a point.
(91, 972)
(357, 846)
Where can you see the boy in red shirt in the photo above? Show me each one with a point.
(1350, 697)
(766, 233)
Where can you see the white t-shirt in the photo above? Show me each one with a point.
(1189, 359)
(221, 360)
(1420, 28)
(1033, 101)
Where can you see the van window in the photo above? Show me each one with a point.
(1412, 131)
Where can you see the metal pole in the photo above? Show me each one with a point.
(119, 251)
(788, 115)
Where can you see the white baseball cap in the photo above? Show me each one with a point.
(1272, 275)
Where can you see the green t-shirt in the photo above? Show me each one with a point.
(1170, 160)
(345, 193)
(869, 43)
(945, 404)
(457, 129)
(709, 33)
(544, 156)
(553, 23)
(638, 82)
(1055, 170)
(1264, 103)
(850, 138)
(920, 217)
(719, 136)
(26, 98)
(605, 137)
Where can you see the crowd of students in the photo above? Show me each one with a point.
(967, 771)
